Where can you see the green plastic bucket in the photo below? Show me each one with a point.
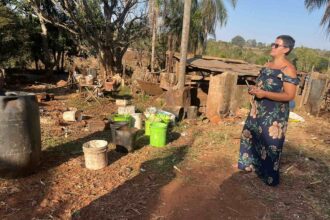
(147, 128)
(148, 122)
(122, 118)
(164, 118)
(158, 131)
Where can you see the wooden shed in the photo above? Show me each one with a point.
(217, 85)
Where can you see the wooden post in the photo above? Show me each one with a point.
(184, 44)
(313, 93)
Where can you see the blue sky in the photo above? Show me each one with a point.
(263, 20)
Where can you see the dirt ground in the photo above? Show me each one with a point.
(191, 178)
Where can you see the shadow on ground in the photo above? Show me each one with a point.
(23, 198)
(137, 196)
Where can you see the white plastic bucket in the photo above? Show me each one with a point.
(137, 120)
(96, 154)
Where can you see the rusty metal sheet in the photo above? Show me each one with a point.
(220, 65)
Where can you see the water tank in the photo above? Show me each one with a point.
(20, 137)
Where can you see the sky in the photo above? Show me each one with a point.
(264, 20)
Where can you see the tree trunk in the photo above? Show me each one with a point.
(184, 44)
(62, 61)
(36, 61)
(169, 56)
(154, 15)
(104, 60)
(44, 40)
(204, 41)
(112, 63)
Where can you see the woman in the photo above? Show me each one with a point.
(264, 130)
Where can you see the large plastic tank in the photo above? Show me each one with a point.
(20, 137)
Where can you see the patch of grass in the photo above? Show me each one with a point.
(50, 142)
(83, 105)
(211, 137)
(124, 91)
(143, 97)
(180, 127)
(166, 158)
(61, 146)
(142, 102)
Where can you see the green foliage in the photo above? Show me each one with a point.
(251, 43)
(205, 15)
(238, 41)
(106, 28)
(15, 40)
(20, 39)
(319, 4)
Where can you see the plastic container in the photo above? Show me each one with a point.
(125, 138)
(147, 127)
(114, 125)
(122, 118)
(164, 118)
(158, 132)
(151, 119)
(95, 153)
(20, 136)
(137, 120)
(192, 112)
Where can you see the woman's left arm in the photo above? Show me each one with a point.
(288, 93)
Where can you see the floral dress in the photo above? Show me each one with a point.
(264, 130)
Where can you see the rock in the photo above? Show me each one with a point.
(122, 102)
(44, 203)
(127, 110)
(61, 83)
(34, 203)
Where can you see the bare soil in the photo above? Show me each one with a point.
(191, 178)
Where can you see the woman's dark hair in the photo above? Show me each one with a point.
(288, 42)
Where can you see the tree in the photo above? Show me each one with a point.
(316, 4)
(212, 12)
(251, 43)
(46, 42)
(184, 44)
(107, 27)
(15, 39)
(238, 40)
(37, 7)
(153, 17)
(205, 16)
(260, 44)
(307, 59)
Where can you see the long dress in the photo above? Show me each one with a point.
(265, 127)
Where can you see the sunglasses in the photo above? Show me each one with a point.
(275, 45)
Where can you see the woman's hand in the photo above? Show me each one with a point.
(259, 93)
